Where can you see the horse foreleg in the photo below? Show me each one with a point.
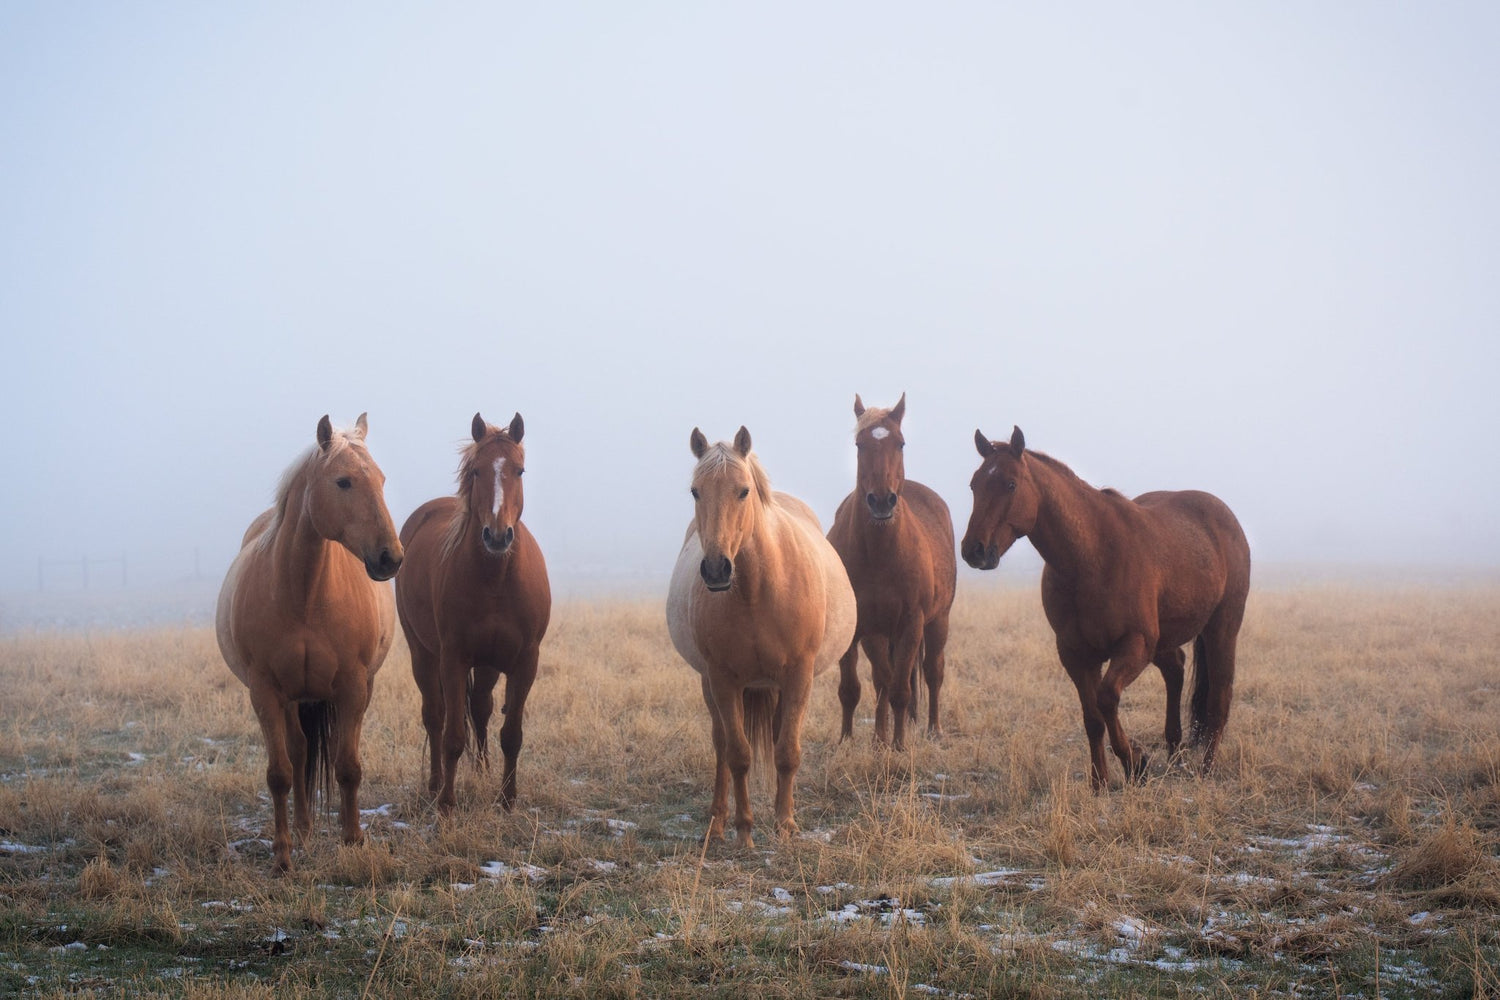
(517, 687)
(271, 711)
(729, 702)
(1083, 670)
(1171, 663)
(934, 668)
(796, 690)
(849, 688)
(455, 727)
(718, 811)
(349, 705)
(878, 652)
(1124, 667)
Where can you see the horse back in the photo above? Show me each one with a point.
(1203, 555)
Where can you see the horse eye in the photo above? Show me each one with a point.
(745, 492)
(694, 492)
(343, 483)
(520, 472)
(1010, 484)
(474, 474)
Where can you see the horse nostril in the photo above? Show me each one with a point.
(890, 501)
(510, 536)
(487, 534)
(871, 500)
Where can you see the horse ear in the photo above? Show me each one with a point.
(1017, 441)
(517, 428)
(859, 406)
(983, 444)
(698, 443)
(742, 442)
(325, 432)
(478, 429)
(899, 410)
(362, 425)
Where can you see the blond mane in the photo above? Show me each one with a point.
(872, 416)
(721, 457)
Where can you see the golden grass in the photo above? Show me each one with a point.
(1347, 843)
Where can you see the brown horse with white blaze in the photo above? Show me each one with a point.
(895, 537)
(474, 602)
(759, 604)
(1128, 581)
(305, 620)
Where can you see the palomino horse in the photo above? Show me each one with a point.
(896, 539)
(759, 604)
(305, 620)
(1128, 581)
(474, 603)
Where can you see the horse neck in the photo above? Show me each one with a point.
(884, 539)
(758, 563)
(1066, 533)
(302, 559)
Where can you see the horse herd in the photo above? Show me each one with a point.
(760, 602)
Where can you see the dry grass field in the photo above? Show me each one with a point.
(1347, 846)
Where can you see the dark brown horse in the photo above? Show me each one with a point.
(895, 537)
(305, 619)
(1128, 581)
(474, 603)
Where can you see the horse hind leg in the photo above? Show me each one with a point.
(517, 686)
(482, 683)
(424, 669)
(1213, 673)
(878, 652)
(935, 668)
(1171, 662)
(304, 783)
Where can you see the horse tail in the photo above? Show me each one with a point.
(1203, 682)
(316, 720)
(762, 708)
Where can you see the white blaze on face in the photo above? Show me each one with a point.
(499, 492)
(880, 434)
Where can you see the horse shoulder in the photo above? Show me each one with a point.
(434, 514)
(841, 535)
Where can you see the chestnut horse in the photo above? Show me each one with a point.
(895, 537)
(305, 619)
(474, 604)
(759, 604)
(1128, 581)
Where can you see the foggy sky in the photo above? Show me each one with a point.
(1246, 248)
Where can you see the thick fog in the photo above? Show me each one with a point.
(1248, 248)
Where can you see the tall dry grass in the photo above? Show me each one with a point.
(1346, 844)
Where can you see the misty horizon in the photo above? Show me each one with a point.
(1246, 251)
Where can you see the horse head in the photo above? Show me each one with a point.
(491, 482)
(1005, 500)
(346, 499)
(879, 441)
(729, 490)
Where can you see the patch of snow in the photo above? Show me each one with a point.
(876, 970)
(499, 869)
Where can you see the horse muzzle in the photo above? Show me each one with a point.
(498, 543)
(717, 574)
(383, 566)
(882, 508)
(979, 556)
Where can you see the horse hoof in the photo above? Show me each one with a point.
(788, 830)
(1139, 774)
(744, 839)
